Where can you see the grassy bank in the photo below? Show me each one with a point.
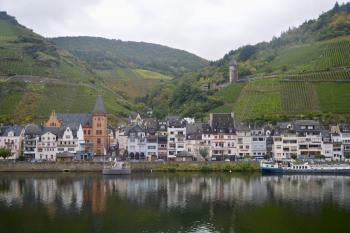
(7, 166)
(196, 167)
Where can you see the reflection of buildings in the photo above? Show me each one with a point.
(178, 191)
(98, 197)
(10, 192)
(170, 191)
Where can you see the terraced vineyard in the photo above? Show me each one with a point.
(336, 75)
(299, 97)
(259, 98)
(313, 56)
(334, 54)
(334, 97)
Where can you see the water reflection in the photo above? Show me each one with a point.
(146, 199)
(171, 191)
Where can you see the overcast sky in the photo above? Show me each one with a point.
(208, 28)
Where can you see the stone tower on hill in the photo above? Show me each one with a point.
(233, 71)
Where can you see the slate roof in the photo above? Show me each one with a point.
(305, 123)
(99, 105)
(73, 120)
(222, 123)
(344, 128)
(194, 131)
(33, 129)
(136, 129)
(8, 128)
(175, 121)
(233, 62)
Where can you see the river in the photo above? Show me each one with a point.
(175, 202)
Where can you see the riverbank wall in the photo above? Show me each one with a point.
(135, 167)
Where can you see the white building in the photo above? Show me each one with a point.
(152, 147)
(223, 140)
(285, 145)
(137, 142)
(176, 133)
(122, 140)
(244, 141)
(344, 132)
(71, 141)
(11, 138)
(258, 142)
(194, 140)
(46, 147)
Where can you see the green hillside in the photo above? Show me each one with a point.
(37, 77)
(105, 54)
(131, 83)
(284, 78)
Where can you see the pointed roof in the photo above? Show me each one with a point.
(99, 105)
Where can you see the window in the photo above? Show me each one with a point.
(98, 140)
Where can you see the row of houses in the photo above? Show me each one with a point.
(87, 136)
(64, 136)
(182, 139)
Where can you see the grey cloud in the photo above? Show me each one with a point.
(209, 28)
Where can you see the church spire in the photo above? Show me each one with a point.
(99, 105)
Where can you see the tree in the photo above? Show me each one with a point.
(5, 153)
(246, 52)
(336, 7)
(294, 156)
(204, 152)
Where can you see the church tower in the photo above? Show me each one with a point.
(99, 128)
(233, 71)
(53, 121)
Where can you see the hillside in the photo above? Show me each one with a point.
(105, 54)
(305, 72)
(36, 76)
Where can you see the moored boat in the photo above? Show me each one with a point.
(118, 168)
(305, 168)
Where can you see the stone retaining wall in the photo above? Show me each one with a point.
(49, 167)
